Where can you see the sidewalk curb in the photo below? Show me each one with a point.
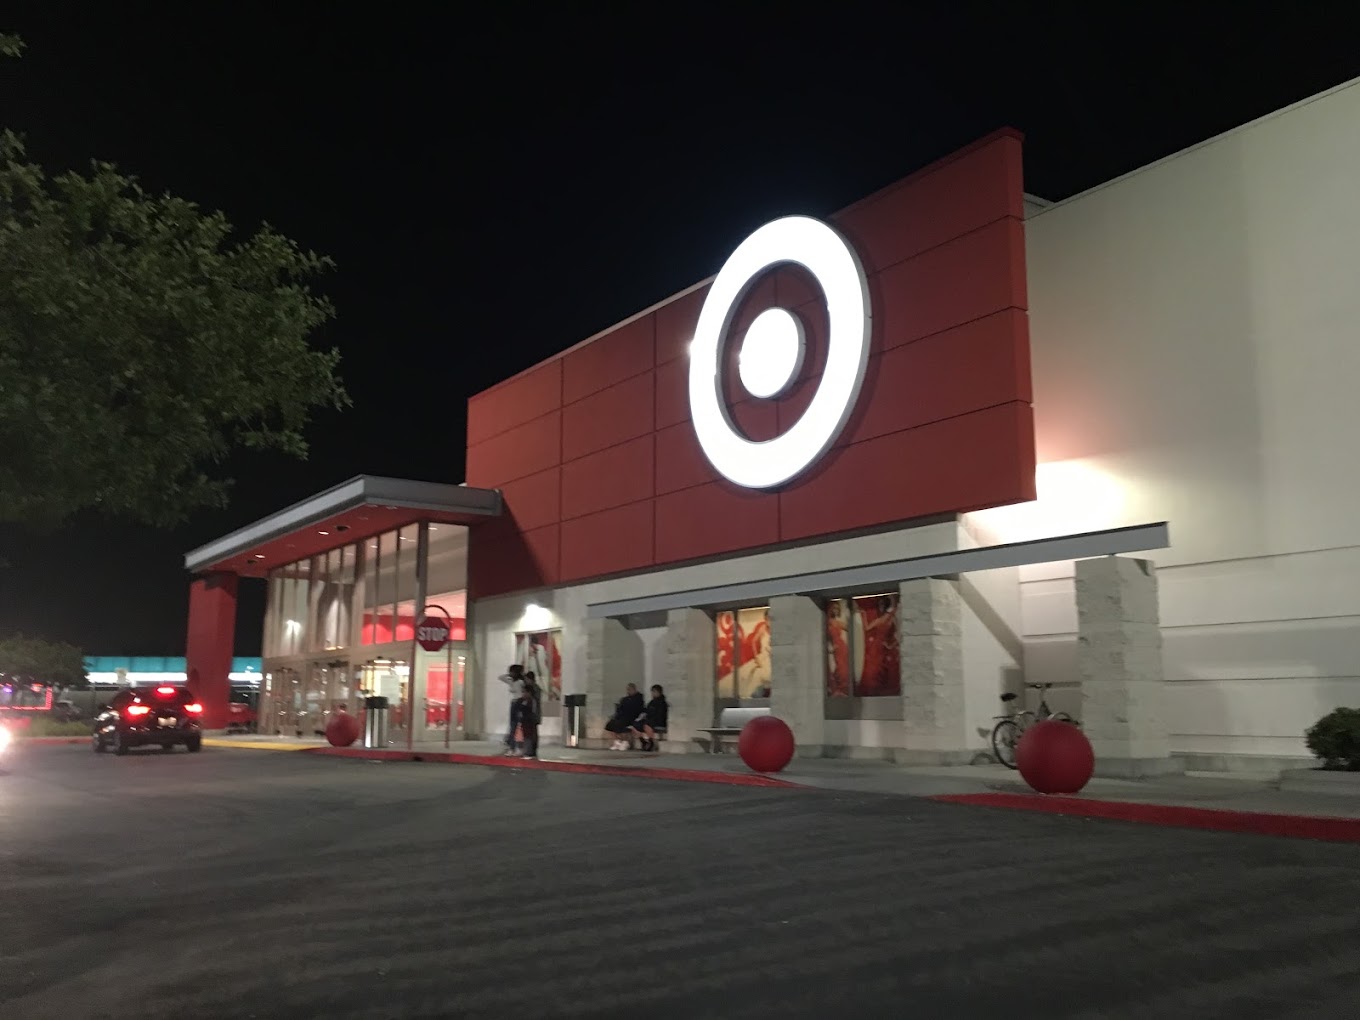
(48, 741)
(1317, 827)
(254, 745)
(580, 768)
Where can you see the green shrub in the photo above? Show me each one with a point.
(41, 727)
(1335, 738)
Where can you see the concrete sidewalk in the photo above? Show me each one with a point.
(1213, 791)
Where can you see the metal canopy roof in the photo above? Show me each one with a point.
(359, 508)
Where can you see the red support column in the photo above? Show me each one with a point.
(211, 641)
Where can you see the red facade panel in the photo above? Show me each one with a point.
(947, 286)
(614, 477)
(503, 559)
(534, 501)
(949, 199)
(943, 423)
(611, 416)
(680, 464)
(960, 464)
(612, 358)
(713, 519)
(608, 542)
(514, 402)
(522, 451)
(968, 368)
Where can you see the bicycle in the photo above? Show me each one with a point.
(1007, 732)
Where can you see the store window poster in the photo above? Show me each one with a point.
(863, 654)
(743, 653)
(541, 654)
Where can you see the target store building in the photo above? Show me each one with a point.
(886, 467)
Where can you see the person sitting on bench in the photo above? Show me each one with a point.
(652, 719)
(625, 714)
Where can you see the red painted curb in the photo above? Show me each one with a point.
(1323, 827)
(677, 775)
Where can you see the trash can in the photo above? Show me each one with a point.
(574, 720)
(375, 722)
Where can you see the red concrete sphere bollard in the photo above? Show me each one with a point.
(1055, 757)
(766, 744)
(342, 730)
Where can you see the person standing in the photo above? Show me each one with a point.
(514, 679)
(530, 715)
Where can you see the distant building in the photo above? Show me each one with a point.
(146, 671)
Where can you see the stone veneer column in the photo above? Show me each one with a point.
(798, 670)
(934, 721)
(1119, 659)
(688, 668)
(614, 659)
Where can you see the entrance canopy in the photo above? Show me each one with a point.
(359, 508)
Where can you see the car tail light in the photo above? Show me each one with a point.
(136, 710)
(165, 690)
(194, 708)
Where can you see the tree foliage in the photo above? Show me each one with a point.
(50, 661)
(142, 342)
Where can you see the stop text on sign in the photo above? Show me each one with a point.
(432, 634)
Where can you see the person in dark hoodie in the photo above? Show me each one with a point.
(654, 717)
(530, 714)
(630, 706)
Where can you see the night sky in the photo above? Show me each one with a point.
(497, 187)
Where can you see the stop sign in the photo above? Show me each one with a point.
(432, 634)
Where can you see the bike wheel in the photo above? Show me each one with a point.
(1005, 735)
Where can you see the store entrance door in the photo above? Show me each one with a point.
(390, 679)
(286, 702)
(444, 693)
(328, 687)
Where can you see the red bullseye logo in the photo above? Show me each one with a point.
(773, 349)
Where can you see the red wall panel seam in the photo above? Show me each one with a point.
(505, 432)
(613, 446)
(595, 393)
(879, 270)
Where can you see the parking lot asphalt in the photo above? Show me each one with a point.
(252, 884)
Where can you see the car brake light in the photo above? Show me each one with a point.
(137, 710)
(165, 690)
(193, 708)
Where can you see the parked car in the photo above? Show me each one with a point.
(149, 716)
(242, 716)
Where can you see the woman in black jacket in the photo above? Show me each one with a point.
(653, 718)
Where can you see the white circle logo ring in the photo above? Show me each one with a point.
(823, 252)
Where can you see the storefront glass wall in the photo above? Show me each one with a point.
(341, 625)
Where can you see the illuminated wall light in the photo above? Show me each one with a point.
(536, 617)
(1074, 496)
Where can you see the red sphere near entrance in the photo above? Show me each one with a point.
(766, 744)
(1055, 757)
(342, 729)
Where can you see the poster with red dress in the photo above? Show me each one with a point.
(880, 672)
(862, 654)
(541, 654)
(838, 622)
